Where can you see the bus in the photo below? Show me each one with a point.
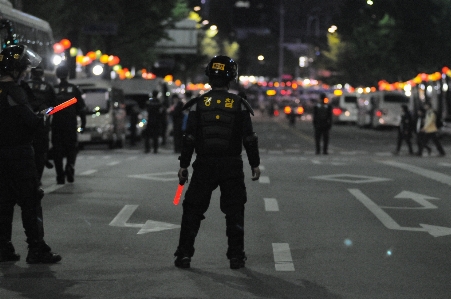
(381, 109)
(31, 31)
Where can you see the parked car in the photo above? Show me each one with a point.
(344, 108)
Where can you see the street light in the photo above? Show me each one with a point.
(332, 29)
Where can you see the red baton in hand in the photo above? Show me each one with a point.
(180, 187)
(61, 106)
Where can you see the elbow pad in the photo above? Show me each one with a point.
(188, 140)
(250, 143)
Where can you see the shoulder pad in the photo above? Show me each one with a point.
(248, 106)
(189, 103)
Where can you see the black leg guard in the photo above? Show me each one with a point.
(189, 229)
(235, 234)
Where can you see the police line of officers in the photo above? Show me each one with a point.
(24, 145)
(218, 126)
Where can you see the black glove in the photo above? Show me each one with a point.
(183, 176)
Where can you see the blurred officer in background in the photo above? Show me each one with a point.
(18, 175)
(154, 120)
(64, 127)
(405, 130)
(176, 113)
(219, 124)
(322, 122)
(43, 96)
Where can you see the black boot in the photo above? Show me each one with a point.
(70, 173)
(181, 260)
(40, 252)
(8, 253)
(238, 262)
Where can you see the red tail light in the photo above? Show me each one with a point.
(337, 111)
(276, 112)
(378, 113)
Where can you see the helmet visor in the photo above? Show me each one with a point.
(32, 56)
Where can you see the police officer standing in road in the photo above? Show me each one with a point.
(18, 175)
(43, 97)
(154, 122)
(65, 126)
(219, 124)
(322, 122)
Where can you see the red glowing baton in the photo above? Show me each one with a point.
(61, 106)
(179, 191)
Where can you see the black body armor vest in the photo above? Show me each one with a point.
(219, 124)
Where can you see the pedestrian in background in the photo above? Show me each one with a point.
(154, 121)
(404, 130)
(177, 115)
(219, 124)
(419, 124)
(18, 174)
(65, 126)
(322, 123)
(42, 97)
(430, 131)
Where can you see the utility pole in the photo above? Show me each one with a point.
(281, 38)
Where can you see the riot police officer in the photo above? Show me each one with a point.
(322, 122)
(154, 120)
(43, 96)
(219, 124)
(18, 175)
(65, 126)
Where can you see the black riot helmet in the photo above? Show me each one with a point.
(15, 59)
(222, 67)
(37, 72)
(62, 72)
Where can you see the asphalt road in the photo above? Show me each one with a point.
(357, 223)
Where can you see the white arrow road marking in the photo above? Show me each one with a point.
(418, 198)
(113, 163)
(155, 226)
(436, 231)
(150, 225)
(282, 257)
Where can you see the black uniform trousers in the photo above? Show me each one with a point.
(324, 133)
(404, 136)
(19, 185)
(208, 174)
(64, 145)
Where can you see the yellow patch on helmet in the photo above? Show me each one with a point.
(218, 66)
(16, 56)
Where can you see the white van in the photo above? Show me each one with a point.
(344, 108)
(105, 113)
(381, 109)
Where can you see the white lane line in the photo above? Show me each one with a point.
(263, 180)
(262, 167)
(132, 158)
(52, 188)
(282, 257)
(88, 172)
(113, 163)
(437, 176)
(271, 205)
